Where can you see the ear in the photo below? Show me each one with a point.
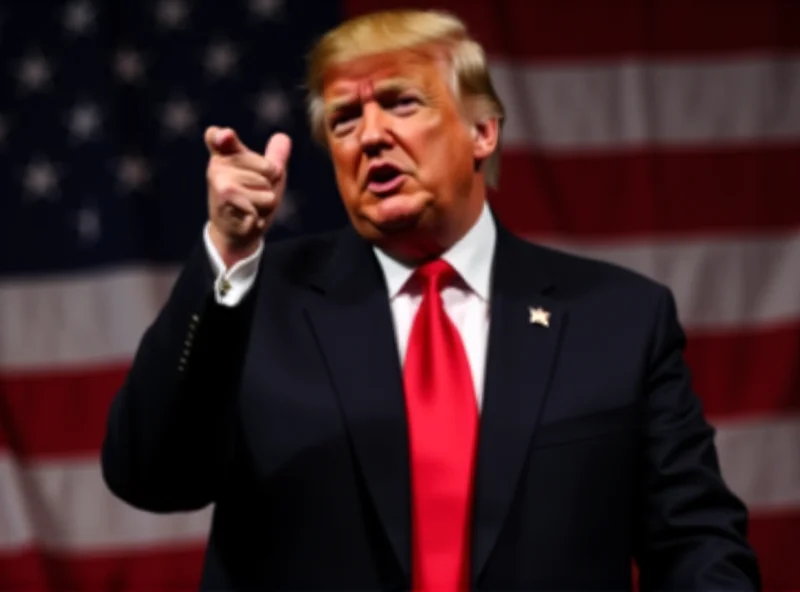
(485, 135)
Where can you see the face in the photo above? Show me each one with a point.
(404, 154)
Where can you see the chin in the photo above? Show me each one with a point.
(400, 225)
(416, 221)
(410, 240)
(390, 235)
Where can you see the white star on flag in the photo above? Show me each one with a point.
(133, 172)
(172, 14)
(79, 17)
(34, 72)
(84, 121)
(272, 107)
(40, 179)
(266, 9)
(179, 117)
(129, 66)
(221, 58)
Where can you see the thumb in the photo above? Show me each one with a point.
(278, 150)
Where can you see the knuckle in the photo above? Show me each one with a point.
(272, 170)
(263, 166)
(224, 187)
(263, 205)
(227, 190)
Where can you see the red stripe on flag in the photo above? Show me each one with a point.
(649, 192)
(746, 373)
(563, 30)
(175, 569)
(775, 539)
(56, 414)
(178, 568)
(735, 373)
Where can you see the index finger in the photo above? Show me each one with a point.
(255, 162)
(223, 141)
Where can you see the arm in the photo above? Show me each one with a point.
(693, 531)
(170, 427)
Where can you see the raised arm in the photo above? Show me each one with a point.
(170, 429)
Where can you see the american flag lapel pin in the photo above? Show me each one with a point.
(539, 316)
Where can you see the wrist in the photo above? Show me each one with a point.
(231, 251)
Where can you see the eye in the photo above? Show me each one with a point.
(405, 104)
(343, 120)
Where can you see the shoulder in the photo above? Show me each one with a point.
(616, 306)
(581, 272)
(600, 287)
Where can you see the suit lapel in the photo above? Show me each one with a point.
(354, 328)
(520, 357)
(353, 325)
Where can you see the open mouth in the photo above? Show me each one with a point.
(385, 179)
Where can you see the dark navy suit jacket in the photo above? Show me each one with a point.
(287, 414)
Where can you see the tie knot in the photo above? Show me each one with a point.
(436, 274)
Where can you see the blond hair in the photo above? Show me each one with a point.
(397, 30)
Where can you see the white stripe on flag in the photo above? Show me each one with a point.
(65, 505)
(617, 105)
(760, 460)
(99, 318)
(79, 319)
(730, 282)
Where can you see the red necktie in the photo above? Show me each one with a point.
(442, 421)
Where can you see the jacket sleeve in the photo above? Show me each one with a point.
(693, 531)
(170, 428)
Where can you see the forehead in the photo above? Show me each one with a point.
(396, 69)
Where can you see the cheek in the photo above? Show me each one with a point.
(448, 149)
(431, 145)
(345, 164)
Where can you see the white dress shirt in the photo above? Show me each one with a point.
(466, 302)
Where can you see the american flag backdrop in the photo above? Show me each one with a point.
(660, 134)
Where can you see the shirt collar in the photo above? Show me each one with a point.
(471, 257)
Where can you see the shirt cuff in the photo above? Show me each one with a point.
(231, 285)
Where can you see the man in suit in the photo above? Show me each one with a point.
(421, 400)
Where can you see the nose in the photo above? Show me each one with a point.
(374, 134)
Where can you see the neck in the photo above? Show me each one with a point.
(419, 246)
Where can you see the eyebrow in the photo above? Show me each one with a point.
(388, 85)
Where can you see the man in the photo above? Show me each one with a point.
(420, 401)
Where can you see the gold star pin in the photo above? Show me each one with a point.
(540, 316)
